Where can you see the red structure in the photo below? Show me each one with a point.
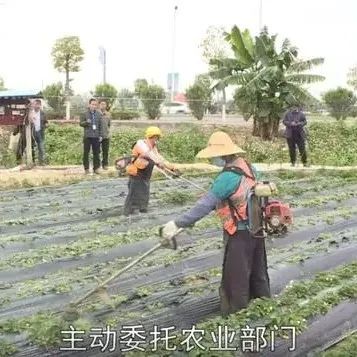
(13, 105)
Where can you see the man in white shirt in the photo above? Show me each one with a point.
(39, 125)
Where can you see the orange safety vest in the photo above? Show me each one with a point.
(234, 209)
(139, 164)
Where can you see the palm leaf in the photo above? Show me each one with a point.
(300, 94)
(304, 78)
(239, 78)
(261, 51)
(248, 42)
(306, 65)
(264, 75)
(219, 73)
(239, 48)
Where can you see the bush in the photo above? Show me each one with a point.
(199, 97)
(182, 146)
(106, 92)
(52, 115)
(328, 144)
(353, 112)
(54, 95)
(340, 102)
(64, 144)
(333, 144)
(152, 97)
(124, 114)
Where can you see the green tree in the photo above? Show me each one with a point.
(199, 96)
(126, 99)
(140, 85)
(107, 92)
(215, 47)
(352, 77)
(55, 96)
(268, 80)
(67, 54)
(151, 96)
(340, 102)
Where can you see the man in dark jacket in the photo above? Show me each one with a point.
(294, 121)
(91, 121)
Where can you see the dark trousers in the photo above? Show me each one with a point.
(40, 142)
(245, 272)
(87, 144)
(138, 195)
(105, 151)
(299, 141)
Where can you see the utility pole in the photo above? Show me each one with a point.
(103, 61)
(260, 15)
(104, 65)
(173, 55)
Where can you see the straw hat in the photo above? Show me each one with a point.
(219, 144)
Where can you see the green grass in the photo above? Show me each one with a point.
(345, 348)
(330, 143)
(7, 349)
(74, 249)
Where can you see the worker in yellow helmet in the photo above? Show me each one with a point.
(145, 157)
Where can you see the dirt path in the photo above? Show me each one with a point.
(19, 177)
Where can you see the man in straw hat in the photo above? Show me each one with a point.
(245, 273)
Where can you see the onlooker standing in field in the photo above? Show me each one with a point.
(295, 120)
(39, 125)
(105, 133)
(21, 129)
(91, 121)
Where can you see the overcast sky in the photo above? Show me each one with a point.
(138, 36)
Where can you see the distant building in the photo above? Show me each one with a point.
(180, 97)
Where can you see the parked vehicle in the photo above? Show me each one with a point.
(175, 108)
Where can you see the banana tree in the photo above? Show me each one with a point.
(268, 81)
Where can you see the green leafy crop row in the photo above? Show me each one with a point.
(328, 144)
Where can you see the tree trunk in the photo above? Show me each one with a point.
(224, 104)
(256, 127)
(68, 109)
(267, 130)
(67, 92)
(67, 83)
(276, 128)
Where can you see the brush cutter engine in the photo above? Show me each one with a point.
(122, 163)
(277, 216)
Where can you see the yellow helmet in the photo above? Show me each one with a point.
(219, 144)
(152, 131)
